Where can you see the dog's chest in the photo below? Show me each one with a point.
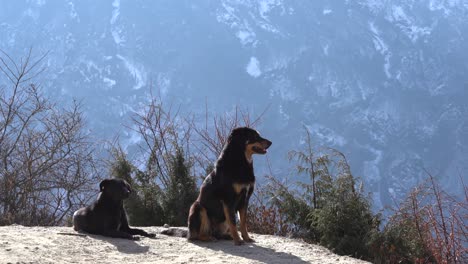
(241, 187)
(118, 225)
(114, 220)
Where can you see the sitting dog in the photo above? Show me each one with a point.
(107, 216)
(227, 190)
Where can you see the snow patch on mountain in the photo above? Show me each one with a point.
(326, 136)
(115, 11)
(32, 13)
(375, 6)
(136, 71)
(253, 67)
(38, 2)
(116, 30)
(227, 15)
(371, 167)
(244, 33)
(109, 82)
(73, 13)
(382, 47)
(284, 115)
(247, 36)
(437, 5)
(325, 49)
(407, 24)
(230, 15)
(91, 65)
(117, 35)
(164, 83)
(265, 6)
(326, 11)
(284, 88)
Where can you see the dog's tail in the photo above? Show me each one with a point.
(175, 231)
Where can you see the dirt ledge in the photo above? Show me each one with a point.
(19, 244)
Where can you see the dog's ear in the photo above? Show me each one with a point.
(103, 184)
(237, 133)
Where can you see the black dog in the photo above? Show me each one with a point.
(227, 190)
(107, 216)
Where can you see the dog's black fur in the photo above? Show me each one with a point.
(227, 190)
(107, 216)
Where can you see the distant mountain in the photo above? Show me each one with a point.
(383, 81)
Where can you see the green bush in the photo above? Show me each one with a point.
(399, 243)
(330, 209)
(180, 193)
(149, 204)
(345, 222)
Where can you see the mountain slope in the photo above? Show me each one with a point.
(383, 81)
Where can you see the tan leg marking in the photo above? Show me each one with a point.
(205, 230)
(243, 225)
(238, 187)
(232, 226)
(223, 228)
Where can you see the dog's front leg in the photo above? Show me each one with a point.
(243, 216)
(243, 224)
(118, 234)
(136, 231)
(124, 227)
(229, 214)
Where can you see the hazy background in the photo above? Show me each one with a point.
(385, 82)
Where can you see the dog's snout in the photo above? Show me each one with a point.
(267, 143)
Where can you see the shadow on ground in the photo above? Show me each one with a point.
(124, 245)
(251, 251)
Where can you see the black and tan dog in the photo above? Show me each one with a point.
(107, 216)
(227, 190)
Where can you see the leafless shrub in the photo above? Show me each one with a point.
(46, 162)
(164, 133)
(429, 226)
(266, 217)
(446, 220)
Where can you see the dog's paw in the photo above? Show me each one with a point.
(238, 242)
(134, 238)
(207, 238)
(249, 240)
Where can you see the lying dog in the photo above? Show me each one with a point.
(227, 190)
(107, 216)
